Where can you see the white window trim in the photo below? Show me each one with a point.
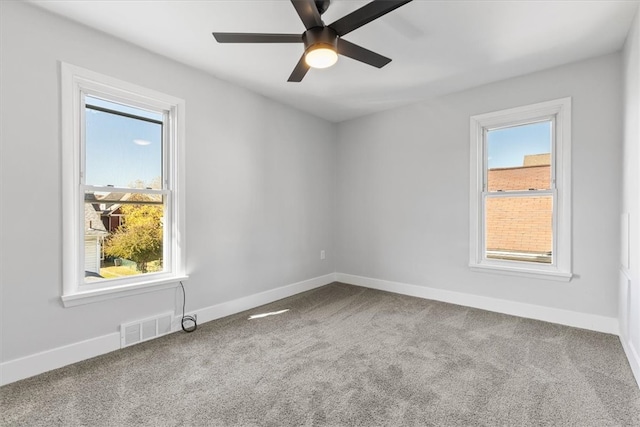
(74, 81)
(560, 109)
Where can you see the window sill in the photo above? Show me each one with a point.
(103, 294)
(559, 276)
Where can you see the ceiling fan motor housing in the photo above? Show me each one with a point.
(318, 37)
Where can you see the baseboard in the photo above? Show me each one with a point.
(35, 364)
(228, 308)
(592, 322)
(633, 356)
(28, 366)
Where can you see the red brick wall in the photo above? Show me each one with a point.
(520, 178)
(519, 224)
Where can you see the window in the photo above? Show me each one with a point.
(123, 220)
(520, 191)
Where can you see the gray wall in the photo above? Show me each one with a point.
(404, 190)
(260, 184)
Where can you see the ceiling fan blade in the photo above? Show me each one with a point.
(365, 14)
(308, 12)
(257, 38)
(299, 72)
(361, 54)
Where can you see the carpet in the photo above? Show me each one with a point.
(344, 356)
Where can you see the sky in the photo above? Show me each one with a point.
(507, 147)
(121, 150)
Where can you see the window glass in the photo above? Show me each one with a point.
(123, 145)
(519, 228)
(124, 230)
(519, 157)
(124, 234)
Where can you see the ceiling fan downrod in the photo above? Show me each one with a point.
(322, 5)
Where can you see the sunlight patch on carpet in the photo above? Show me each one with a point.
(273, 313)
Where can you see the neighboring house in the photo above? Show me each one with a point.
(111, 216)
(520, 227)
(94, 234)
(110, 207)
(111, 213)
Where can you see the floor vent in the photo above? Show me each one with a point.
(145, 329)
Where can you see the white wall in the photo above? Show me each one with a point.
(404, 193)
(260, 183)
(629, 306)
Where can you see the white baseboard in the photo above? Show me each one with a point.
(633, 356)
(28, 366)
(228, 308)
(563, 317)
(35, 364)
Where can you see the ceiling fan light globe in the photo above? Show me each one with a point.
(321, 57)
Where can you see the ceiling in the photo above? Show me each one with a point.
(437, 47)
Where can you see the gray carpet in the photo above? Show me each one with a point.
(344, 356)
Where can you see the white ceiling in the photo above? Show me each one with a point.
(437, 47)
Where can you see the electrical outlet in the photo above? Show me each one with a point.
(322, 254)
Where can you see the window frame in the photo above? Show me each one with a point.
(559, 112)
(76, 83)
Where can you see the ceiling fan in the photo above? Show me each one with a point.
(323, 43)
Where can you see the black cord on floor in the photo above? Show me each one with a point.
(187, 318)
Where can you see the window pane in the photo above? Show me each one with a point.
(519, 157)
(123, 145)
(123, 234)
(519, 228)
